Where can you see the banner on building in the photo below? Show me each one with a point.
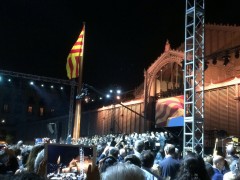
(170, 112)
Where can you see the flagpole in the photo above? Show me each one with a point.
(77, 119)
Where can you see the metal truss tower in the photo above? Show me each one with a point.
(193, 139)
(81, 156)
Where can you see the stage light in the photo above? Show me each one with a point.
(0, 78)
(61, 88)
(100, 98)
(9, 80)
(87, 99)
(214, 61)
(118, 91)
(107, 96)
(118, 97)
(31, 83)
(52, 86)
(42, 85)
(226, 60)
(111, 91)
(237, 54)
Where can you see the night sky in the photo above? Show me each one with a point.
(122, 37)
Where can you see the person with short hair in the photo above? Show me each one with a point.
(169, 166)
(122, 155)
(147, 159)
(123, 171)
(110, 160)
(133, 159)
(234, 172)
(231, 154)
(218, 166)
(138, 147)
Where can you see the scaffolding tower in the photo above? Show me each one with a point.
(193, 63)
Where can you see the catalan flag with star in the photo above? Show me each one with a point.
(75, 56)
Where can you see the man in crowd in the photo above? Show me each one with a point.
(169, 166)
(218, 167)
(109, 160)
(138, 148)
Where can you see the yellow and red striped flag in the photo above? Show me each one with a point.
(169, 108)
(75, 56)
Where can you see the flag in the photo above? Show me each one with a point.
(75, 56)
(169, 108)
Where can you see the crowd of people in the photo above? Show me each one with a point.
(145, 156)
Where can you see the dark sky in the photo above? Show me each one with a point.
(122, 37)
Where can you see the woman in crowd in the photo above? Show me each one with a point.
(192, 168)
(31, 159)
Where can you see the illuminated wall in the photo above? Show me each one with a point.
(115, 119)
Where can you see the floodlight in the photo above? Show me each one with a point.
(226, 60)
(214, 61)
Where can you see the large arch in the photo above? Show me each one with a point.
(168, 57)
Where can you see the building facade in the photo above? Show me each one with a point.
(158, 99)
(30, 111)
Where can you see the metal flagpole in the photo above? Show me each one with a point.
(77, 120)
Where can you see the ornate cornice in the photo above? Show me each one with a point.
(166, 57)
